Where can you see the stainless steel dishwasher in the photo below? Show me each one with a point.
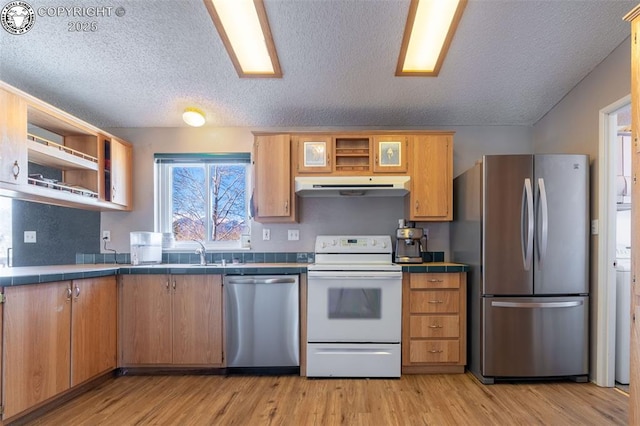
(262, 323)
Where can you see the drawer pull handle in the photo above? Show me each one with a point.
(436, 301)
(435, 326)
(434, 280)
(434, 351)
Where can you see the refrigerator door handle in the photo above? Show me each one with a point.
(527, 244)
(544, 232)
(537, 304)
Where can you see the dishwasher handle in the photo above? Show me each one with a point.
(258, 280)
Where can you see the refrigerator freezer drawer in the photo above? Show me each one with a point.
(535, 336)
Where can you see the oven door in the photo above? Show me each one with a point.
(354, 306)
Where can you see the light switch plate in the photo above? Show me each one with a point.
(29, 236)
(595, 227)
(266, 234)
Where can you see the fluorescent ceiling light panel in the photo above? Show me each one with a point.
(244, 29)
(427, 35)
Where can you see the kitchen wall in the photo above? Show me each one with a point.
(61, 232)
(572, 126)
(317, 216)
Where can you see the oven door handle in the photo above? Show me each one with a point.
(355, 276)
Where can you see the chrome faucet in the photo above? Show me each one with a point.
(202, 251)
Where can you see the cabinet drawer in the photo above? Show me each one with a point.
(434, 351)
(435, 301)
(434, 326)
(435, 280)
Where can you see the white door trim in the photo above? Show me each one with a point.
(605, 296)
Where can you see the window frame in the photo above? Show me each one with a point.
(163, 197)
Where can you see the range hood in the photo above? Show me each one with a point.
(352, 186)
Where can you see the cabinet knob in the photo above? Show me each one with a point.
(433, 280)
(434, 351)
(69, 294)
(435, 326)
(286, 206)
(417, 205)
(15, 170)
(77, 290)
(435, 301)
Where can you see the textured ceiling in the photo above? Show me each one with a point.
(510, 62)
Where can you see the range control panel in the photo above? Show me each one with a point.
(353, 244)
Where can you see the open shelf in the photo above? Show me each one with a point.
(353, 154)
(48, 153)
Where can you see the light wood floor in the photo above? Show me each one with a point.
(457, 399)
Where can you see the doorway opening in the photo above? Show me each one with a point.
(614, 246)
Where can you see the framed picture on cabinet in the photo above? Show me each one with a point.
(390, 154)
(315, 154)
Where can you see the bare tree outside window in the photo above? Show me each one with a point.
(208, 202)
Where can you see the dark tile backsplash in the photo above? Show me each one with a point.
(229, 257)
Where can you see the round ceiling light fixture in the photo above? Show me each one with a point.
(193, 117)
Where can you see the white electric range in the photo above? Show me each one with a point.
(354, 308)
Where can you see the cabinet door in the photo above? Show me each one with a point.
(145, 319)
(273, 196)
(13, 138)
(431, 178)
(121, 161)
(36, 344)
(197, 319)
(314, 153)
(391, 154)
(93, 328)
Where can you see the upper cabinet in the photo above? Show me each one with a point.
(117, 171)
(391, 154)
(431, 192)
(49, 156)
(13, 134)
(353, 154)
(273, 199)
(314, 153)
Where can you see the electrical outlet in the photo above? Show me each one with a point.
(266, 234)
(29, 236)
(293, 235)
(595, 227)
(106, 236)
(426, 233)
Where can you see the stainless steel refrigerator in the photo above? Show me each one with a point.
(522, 223)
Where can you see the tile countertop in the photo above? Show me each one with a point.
(42, 274)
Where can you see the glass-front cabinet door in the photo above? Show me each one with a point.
(391, 154)
(314, 153)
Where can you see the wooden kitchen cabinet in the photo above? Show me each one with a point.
(170, 320)
(314, 153)
(36, 345)
(56, 336)
(431, 197)
(434, 323)
(13, 136)
(34, 132)
(634, 406)
(94, 316)
(273, 195)
(391, 154)
(117, 171)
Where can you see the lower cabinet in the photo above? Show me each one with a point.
(56, 336)
(434, 319)
(170, 320)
